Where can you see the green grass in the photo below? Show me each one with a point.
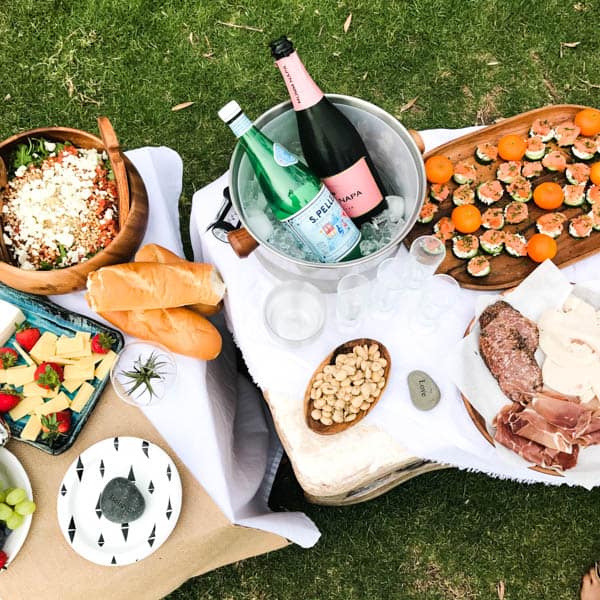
(443, 535)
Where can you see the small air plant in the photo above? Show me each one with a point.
(144, 373)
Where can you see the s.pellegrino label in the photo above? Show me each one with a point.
(324, 226)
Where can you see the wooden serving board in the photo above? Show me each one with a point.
(508, 271)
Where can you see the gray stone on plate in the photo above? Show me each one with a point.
(121, 501)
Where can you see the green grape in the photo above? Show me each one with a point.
(2, 495)
(14, 521)
(25, 507)
(17, 495)
(5, 511)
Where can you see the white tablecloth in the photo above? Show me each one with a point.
(213, 418)
(445, 434)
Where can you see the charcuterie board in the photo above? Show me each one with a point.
(508, 271)
(481, 426)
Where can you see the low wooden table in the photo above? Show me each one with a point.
(47, 567)
(353, 466)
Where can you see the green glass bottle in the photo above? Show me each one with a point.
(295, 194)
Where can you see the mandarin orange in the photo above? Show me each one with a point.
(438, 169)
(466, 218)
(588, 120)
(540, 247)
(512, 147)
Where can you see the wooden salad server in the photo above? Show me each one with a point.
(4, 255)
(111, 143)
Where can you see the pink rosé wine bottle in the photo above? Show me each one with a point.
(331, 145)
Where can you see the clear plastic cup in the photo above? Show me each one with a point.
(388, 288)
(351, 300)
(436, 297)
(426, 254)
(294, 312)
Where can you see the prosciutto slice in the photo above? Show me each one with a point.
(563, 413)
(531, 425)
(530, 450)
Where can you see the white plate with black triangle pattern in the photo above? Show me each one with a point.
(80, 517)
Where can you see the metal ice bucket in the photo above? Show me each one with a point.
(395, 155)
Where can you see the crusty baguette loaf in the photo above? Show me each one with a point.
(156, 253)
(145, 285)
(179, 329)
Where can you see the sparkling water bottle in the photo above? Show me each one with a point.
(295, 194)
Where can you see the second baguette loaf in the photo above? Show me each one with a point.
(160, 254)
(149, 285)
(179, 329)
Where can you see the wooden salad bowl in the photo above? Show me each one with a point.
(133, 201)
(319, 427)
(508, 271)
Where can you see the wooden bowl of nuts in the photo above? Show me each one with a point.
(346, 385)
(55, 235)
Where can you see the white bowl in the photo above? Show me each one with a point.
(12, 474)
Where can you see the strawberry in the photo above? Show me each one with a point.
(55, 425)
(48, 375)
(27, 335)
(8, 357)
(3, 559)
(102, 343)
(9, 398)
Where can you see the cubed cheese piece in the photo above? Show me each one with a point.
(25, 407)
(83, 395)
(55, 405)
(33, 389)
(104, 367)
(32, 428)
(24, 354)
(2, 375)
(67, 346)
(71, 385)
(10, 317)
(79, 371)
(98, 357)
(44, 348)
(19, 376)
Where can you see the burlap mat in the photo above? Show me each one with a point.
(47, 568)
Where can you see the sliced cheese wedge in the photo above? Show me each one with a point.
(19, 376)
(68, 346)
(24, 354)
(104, 367)
(45, 347)
(55, 405)
(71, 385)
(79, 371)
(32, 428)
(61, 360)
(82, 398)
(25, 407)
(33, 389)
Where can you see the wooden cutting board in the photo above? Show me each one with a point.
(508, 271)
